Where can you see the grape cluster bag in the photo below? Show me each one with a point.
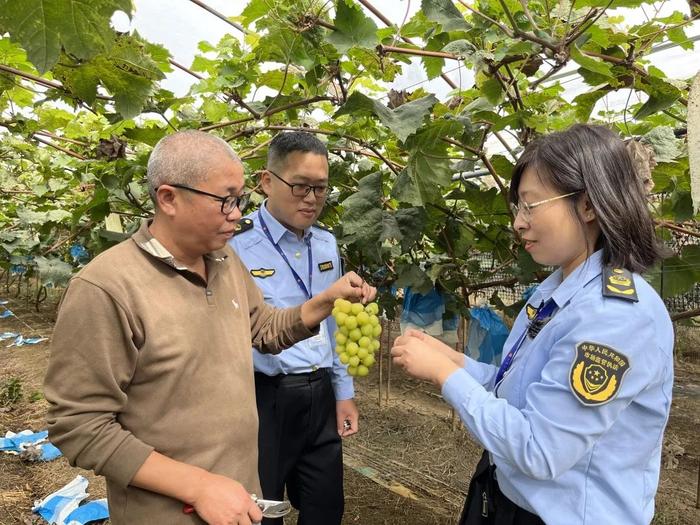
(357, 336)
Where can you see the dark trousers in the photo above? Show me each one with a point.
(299, 446)
(487, 505)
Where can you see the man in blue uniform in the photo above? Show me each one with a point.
(304, 395)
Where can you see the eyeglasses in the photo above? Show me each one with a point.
(302, 190)
(527, 208)
(228, 202)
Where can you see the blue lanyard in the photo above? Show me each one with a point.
(543, 312)
(300, 282)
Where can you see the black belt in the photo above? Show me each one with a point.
(287, 379)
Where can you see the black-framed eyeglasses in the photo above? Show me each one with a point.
(228, 202)
(302, 190)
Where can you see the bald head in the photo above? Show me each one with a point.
(185, 157)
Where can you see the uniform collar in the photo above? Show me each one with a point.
(562, 291)
(276, 228)
(145, 240)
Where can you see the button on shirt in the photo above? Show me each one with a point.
(565, 461)
(278, 284)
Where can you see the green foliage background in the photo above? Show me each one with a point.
(402, 213)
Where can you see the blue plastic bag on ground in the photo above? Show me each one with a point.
(63, 507)
(487, 335)
(34, 444)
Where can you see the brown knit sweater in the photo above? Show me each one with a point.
(147, 355)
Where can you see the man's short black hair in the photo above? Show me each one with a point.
(289, 142)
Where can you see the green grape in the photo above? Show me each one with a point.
(350, 322)
(355, 334)
(364, 342)
(340, 338)
(362, 318)
(344, 358)
(367, 330)
(362, 370)
(339, 349)
(362, 353)
(372, 308)
(356, 308)
(340, 318)
(376, 345)
(354, 361)
(369, 360)
(352, 348)
(373, 320)
(344, 330)
(352, 370)
(376, 330)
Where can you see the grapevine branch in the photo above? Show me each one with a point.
(42, 81)
(278, 109)
(388, 23)
(487, 163)
(685, 315)
(186, 70)
(65, 139)
(221, 16)
(675, 228)
(373, 149)
(59, 148)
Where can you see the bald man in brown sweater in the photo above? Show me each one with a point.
(150, 381)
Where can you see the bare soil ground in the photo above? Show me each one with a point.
(409, 465)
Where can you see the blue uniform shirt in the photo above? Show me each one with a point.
(566, 448)
(279, 287)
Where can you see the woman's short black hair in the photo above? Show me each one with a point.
(289, 142)
(594, 159)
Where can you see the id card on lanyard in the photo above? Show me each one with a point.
(321, 338)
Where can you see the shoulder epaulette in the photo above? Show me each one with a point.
(619, 283)
(243, 226)
(323, 227)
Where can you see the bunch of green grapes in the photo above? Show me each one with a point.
(357, 336)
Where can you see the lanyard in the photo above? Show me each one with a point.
(544, 312)
(300, 282)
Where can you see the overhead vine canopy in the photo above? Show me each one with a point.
(81, 107)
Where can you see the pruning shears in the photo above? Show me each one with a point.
(270, 508)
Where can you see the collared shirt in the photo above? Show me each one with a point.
(279, 287)
(147, 355)
(567, 461)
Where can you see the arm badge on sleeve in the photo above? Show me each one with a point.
(597, 373)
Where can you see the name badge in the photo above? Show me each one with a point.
(325, 266)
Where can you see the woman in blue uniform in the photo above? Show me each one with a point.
(573, 419)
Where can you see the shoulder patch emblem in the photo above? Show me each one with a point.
(325, 266)
(243, 226)
(618, 282)
(262, 273)
(597, 373)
